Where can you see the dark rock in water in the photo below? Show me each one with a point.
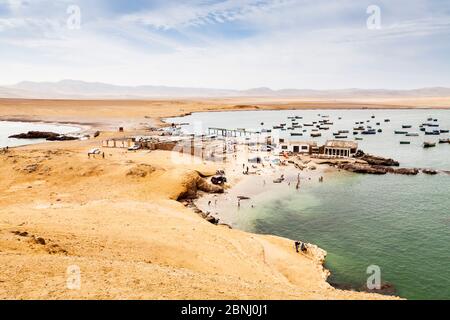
(35, 135)
(50, 136)
(385, 288)
(212, 220)
(361, 168)
(405, 171)
(429, 171)
(375, 160)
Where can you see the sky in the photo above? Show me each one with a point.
(230, 44)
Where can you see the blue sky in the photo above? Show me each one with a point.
(228, 44)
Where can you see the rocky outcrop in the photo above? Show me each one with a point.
(376, 160)
(361, 168)
(194, 183)
(374, 169)
(429, 171)
(50, 136)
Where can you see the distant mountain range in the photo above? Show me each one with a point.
(73, 89)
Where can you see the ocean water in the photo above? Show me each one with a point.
(399, 223)
(9, 128)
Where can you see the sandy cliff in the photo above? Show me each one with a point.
(118, 220)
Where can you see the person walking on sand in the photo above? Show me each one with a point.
(209, 203)
(297, 245)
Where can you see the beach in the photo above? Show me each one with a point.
(118, 219)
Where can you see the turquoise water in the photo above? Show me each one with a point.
(9, 128)
(399, 223)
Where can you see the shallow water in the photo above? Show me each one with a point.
(399, 223)
(8, 128)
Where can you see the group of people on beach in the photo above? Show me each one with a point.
(300, 246)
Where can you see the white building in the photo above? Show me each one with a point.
(294, 146)
(340, 148)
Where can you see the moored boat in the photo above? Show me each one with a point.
(429, 144)
(405, 142)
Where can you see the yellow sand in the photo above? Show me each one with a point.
(118, 220)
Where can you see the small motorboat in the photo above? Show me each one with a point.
(432, 133)
(412, 134)
(379, 130)
(444, 140)
(429, 144)
(400, 132)
(357, 138)
(296, 134)
(406, 126)
(443, 131)
(387, 120)
(315, 134)
(355, 132)
(369, 132)
(341, 137)
(405, 142)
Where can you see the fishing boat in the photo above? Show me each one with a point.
(369, 132)
(429, 144)
(406, 126)
(341, 137)
(308, 124)
(432, 133)
(298, 117)
(405, 142)
(412, 134)
(293, 134)
(358, 138)
(373, 117)
(343, 131)
(277, 127)
(324, 128)
(444, 140)
(316, 134)
(377, 123)
(400, 132)
(387, 120)
(355, 132)
(422, 129)
(443, 131)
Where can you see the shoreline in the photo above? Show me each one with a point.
(206, 203)
(151, 180)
